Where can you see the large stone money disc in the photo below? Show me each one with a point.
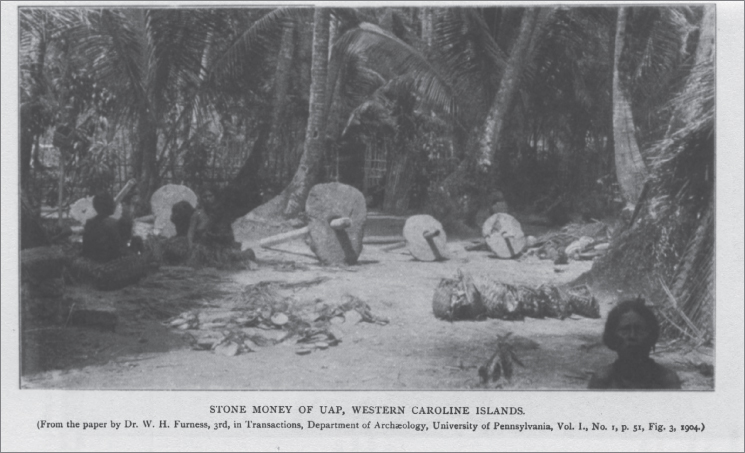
(327, 202)
(83, 209)
(162, 201)
(504, 235)
(423, 249)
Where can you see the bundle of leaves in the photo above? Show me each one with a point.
(465, 298)
(457, 298)
(553, 243)
(510, 302)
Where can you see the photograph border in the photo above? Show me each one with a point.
(721, 407)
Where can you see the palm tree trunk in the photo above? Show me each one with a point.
(630, 169)
(243, 193)
(508, 87)
(333, 32)
(26, 146)
(282, 82)
(399, 181)
(29, 132)
(61, 185)
(145, 165)
(425, 15)
(310, 161)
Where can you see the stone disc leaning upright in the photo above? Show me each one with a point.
(504, 235)
(327, 202)
(83, 210)
(162, 201)
(425, 238)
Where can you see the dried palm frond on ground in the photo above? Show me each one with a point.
(581, 301)
(552, 244)
(261, 315)
(466, 298)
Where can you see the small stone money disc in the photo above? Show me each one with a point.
(504, 235)
(423, 249)
(163, 200)
(83, 210)
(325, 203)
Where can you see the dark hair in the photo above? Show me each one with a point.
(614, 318)
(214, 208)
(181, 213)
(104, 205)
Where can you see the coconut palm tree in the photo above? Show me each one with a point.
(278, 26)
(463, 66)
(630, 168)
(310, 162)
(501, 106)
(668, 254)
(46, 76)
(152, 60)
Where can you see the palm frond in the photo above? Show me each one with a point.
(263, 36)
(113, 51)
(663, 49)
(391, 57)
(469, 55)
(359, 81)
(181, 41)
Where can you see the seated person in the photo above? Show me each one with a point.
(632, 331)
(104, 237)
(106, 260)
(210, 237)
(176, 249)
(206, 227)
(181, 214)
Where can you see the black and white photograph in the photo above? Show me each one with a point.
(488, 199)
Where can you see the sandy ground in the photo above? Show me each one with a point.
(414, 351)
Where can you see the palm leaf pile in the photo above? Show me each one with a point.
(553, 243)
(263, 315)
(465, 298)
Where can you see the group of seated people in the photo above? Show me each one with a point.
(201, 235)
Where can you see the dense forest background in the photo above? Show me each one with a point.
(567, 113)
